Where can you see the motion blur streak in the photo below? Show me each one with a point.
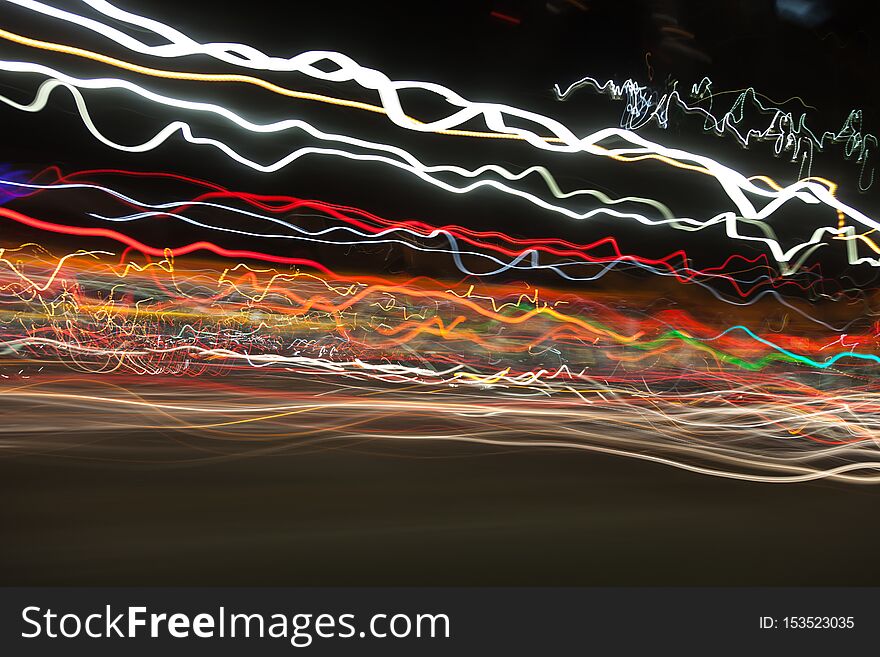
(356, 362)
(608, 293)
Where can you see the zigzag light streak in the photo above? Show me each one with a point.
(526, 259)
(348, 70)
(735, 184)
(377, 237)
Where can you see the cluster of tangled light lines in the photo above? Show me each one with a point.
(229, 322)
(786, 130)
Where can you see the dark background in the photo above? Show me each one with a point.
(342, 517)
(473, 518)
